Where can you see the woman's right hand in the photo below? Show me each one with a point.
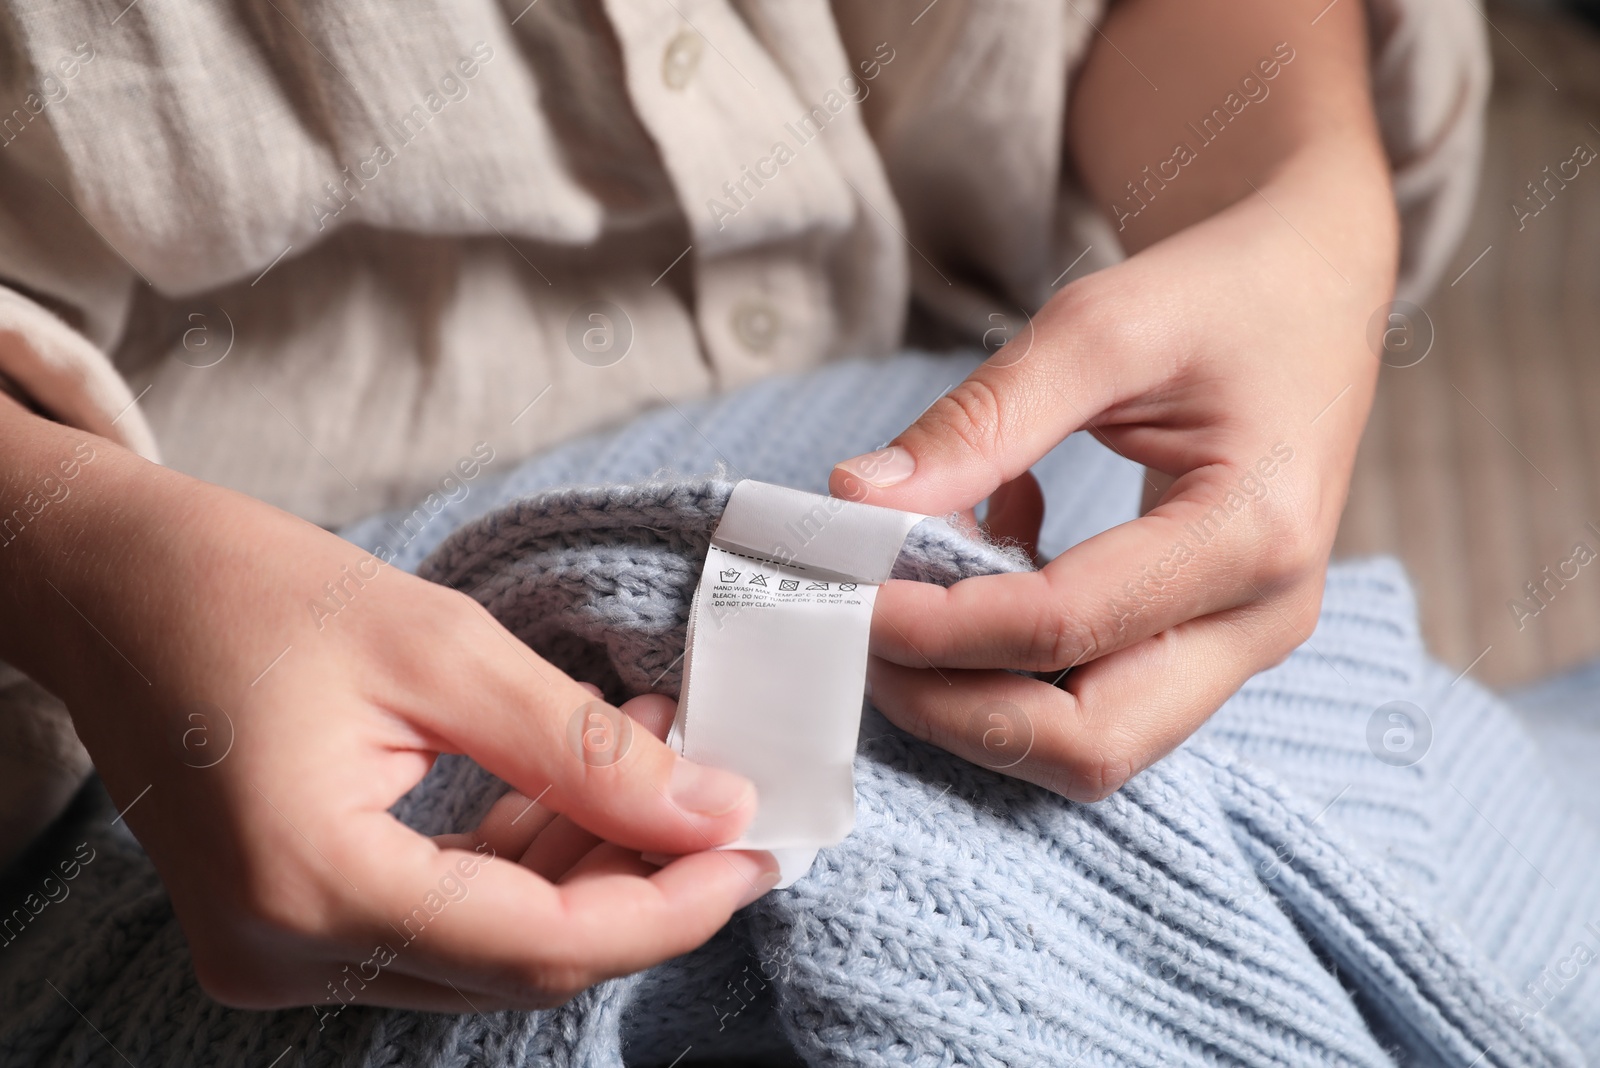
(255, 743)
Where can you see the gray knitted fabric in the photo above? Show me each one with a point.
(600, 579)
(1272, 893)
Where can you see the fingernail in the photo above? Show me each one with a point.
(884, 468)
(759, 885)
(707, 791)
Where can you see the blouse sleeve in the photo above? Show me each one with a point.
(1430, 84)
(51, 367)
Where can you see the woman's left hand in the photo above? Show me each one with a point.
(1230, 359)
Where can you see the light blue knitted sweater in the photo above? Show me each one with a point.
(1273, 893)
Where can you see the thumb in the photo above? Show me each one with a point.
(980, 435)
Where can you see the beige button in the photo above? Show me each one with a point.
(681, 59)
(756, 324)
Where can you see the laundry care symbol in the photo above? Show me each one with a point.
(730, 575)
(757, 580)
(817, 586)
(846, 587)
(789, 584)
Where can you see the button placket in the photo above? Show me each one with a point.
(759, 297)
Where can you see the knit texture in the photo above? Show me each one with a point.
(1272, 893)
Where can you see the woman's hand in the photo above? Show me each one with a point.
(1228, 354)
(256, 694)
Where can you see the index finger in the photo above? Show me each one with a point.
(1193, 555)
(527, 722)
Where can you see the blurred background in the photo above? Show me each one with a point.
(1479, 466)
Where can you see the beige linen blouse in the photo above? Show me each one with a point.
(316, 251)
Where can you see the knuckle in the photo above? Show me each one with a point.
(268, 906)
(1098, 775)
(1104, 313)
(285, 921)
(456, 611)
(225, 986)
(1088, 772)
(438, 621)
(457, 627)
(284, 899)
(553, 984)
(590, 783)
(1288, 627)
(922, 722)
(1304, 615)
(970, 414)
(1291, 541)
(232, 977)
(1062, 638)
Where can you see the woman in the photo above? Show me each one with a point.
(317, 254)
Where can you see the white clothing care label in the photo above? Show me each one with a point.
(776, 660)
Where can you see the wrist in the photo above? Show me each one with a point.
(1337, 197)
(65, 497)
